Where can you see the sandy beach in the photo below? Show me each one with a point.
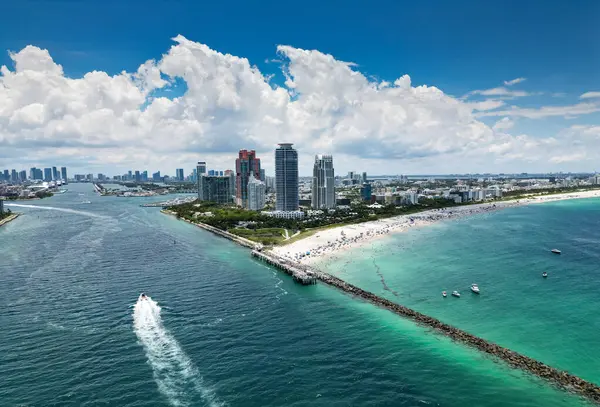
(335, 240)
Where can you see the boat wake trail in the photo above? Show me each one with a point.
(175, 374)
(52, 208)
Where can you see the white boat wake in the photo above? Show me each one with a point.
(175, 374)
(52, 208)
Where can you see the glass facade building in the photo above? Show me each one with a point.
(286, 178)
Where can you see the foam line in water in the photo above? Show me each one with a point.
(175, 374)
(52, 208)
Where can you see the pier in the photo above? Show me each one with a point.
(299, 273)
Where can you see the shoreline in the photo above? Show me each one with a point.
(336, 241)
(562, 379)
(9, 219)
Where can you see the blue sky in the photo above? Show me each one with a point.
(458, 46)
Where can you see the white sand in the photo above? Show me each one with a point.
(329, 241)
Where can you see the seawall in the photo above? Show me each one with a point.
(238, 239)
(563, 379)
(555, 376)
(8, 219)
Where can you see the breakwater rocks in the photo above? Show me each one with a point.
(9, 218)
(563, 379)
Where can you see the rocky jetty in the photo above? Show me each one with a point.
(560, 378)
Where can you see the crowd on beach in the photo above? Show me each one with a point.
(327, 242)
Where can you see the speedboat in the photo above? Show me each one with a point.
(555, 251)
(475, 288)
(444, 294)
(143, 296)
(544, 274)
(455, 294)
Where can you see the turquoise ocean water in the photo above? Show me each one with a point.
(222, 329)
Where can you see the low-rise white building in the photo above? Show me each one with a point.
(284, 214)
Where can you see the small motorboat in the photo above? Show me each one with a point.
(555, 251)
(455, 294)
(444, 294)
(143, 296)
(544, 274)
(475, 288)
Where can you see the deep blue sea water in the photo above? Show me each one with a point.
(222, 329)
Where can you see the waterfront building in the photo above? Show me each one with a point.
(47, 174)
(323, 183)
(256, 194)
(246, 164)
(231, 175)
(90, 177)
(63, 173)
(199, 171)
(286, 178)
(214, 188)
(365, 192)
(179, 173)
(156, 176)
(54, 174)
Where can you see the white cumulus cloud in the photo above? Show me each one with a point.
(118, 122)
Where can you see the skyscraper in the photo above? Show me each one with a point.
(63, 173)
(286, 177)
(144, 176)
(129, 176)
(32, 173)
(14, 177)
(323, 183)
(245, 164)
(156, 176)
(138, 178)
(256, 194)
(23, 175)
(231, 175)
(364, 177)
(179, 173)
(214, 188)
(200, 170)
(54, 174)
(263, 175)
(6, 176)
(47, 174)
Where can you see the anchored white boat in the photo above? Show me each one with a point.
(475, 288)
(544, 274)
(455, 294)
(444, 294)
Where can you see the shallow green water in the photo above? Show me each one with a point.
(230, 330)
